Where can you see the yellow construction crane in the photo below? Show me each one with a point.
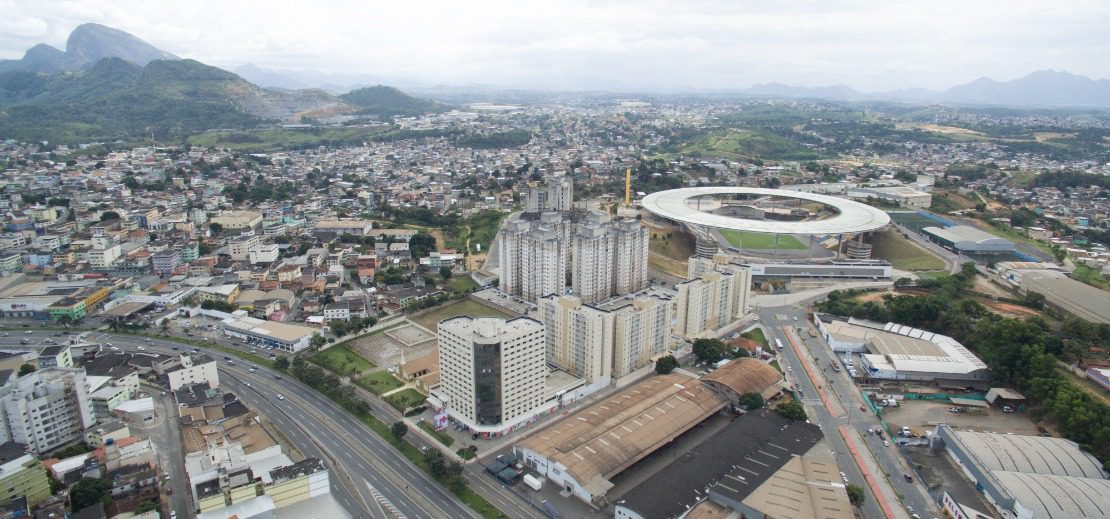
(628, 188)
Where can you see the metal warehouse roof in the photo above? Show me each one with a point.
(607, 437)
(1032, 454)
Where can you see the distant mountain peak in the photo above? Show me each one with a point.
(87, 44)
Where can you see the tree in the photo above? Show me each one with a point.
(109, 215)
(421, 244)
(666, 364)
(791, 410)
(90, 491)
(709, 350)
(147, 506)
(399, 429)
(445, 273)
(26, 369)
(751, 401)
(281, 363)
(1034, 299)
(317, 341)
(215, 228)
(855, 495)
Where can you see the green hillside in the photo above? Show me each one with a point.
(117, 100)
(388, 101)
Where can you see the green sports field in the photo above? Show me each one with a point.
(756, 240)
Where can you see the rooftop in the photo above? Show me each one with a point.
(280, 331)
(1031, 454)
(733, 463)
(747, 376)
(601, 440)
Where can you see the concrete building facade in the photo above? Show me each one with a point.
(492, 371)
(46, 409)
(705, 304)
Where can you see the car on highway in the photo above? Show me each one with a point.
(141, 348)
(886, 443)
(281, 397)
(844, 477)
(278, 377)
(28, 332)
(909, 478)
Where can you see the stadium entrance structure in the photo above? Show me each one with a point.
(767, 222)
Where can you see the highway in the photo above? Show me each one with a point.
(316, 426)
(844, 399)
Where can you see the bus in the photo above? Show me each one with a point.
(778, 344)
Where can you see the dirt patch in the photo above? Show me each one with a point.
(1009, 310)
(937, 128)
(385, 351)
(872, 296)
(925, 415)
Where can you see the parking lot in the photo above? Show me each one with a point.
(920, 415)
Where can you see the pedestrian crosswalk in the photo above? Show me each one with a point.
(384, 503)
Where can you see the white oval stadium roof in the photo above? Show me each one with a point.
(852, 216)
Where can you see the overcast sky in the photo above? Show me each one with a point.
(667, 45)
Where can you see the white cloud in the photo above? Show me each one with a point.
(656, 44)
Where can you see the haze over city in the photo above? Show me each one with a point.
(663, 46)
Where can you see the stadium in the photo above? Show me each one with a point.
(768, 223)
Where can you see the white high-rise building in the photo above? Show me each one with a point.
(579, 337)
(509, 243)
(535, 199)
(607, 340)
(560, 193)
(723, 263)
(630, 256)
(543, 264)
(641, 333)
(492, 371)
(592, 273)
(46, 409)
(704, 304)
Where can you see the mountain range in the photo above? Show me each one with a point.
(1045, 88)
(108, 84)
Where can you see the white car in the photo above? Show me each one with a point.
(789, 369)
(281, 397)
(141, 348)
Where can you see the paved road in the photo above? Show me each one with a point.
(317, 427)
(844, 399)
(165, 433)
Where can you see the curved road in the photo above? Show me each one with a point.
(357, 456)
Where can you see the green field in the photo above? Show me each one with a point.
(431, 319)
(757, 336)
(757, 240)
(379, 382)
(402, 400)
(277, 139)
(902, 253)
(747, 144)
(461, 283)
(341, 360)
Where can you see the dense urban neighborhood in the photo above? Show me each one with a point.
(551, 305)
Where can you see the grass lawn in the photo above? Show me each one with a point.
(902, 253)
(461, 283)
(431, 319)
(405, 399)
(379, 382)
(441, 436)
(341, 360)
(757, 240)
(775, 364)
(757, 336)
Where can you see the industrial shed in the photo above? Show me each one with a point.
(582, 452)
(964, 238)
(742, 376)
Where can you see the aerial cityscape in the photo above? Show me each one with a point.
(703, 261)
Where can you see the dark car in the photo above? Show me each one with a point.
(909, 478)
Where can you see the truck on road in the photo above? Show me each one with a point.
(778, 344)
